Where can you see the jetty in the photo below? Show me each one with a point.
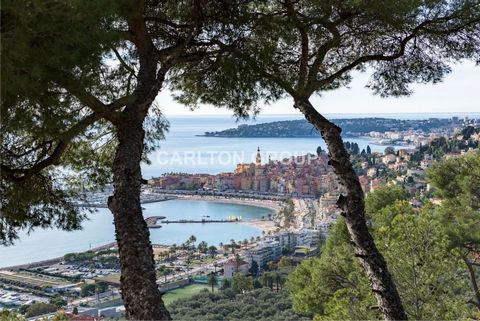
(152, 221)
(202, 221)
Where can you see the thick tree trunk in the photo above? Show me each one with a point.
(353, 208)
(140, 293)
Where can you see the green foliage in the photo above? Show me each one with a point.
(440, 146)
(334, 285)
(212, 280)
(457, 183)
(389, 150)
(271, 59)
(226, 284)
(352, 148)
(261, 304)
(80, 257)
(254, 268)
(383, 197)
(164, 271)
(61, 316)
(8, 315)
(428, 275)
(202, 247)
(287, 212)
(38, 116)
(416, 245)
(284, 262)
(91, 289)
(39, 309)
(58, 301)
(242, 283)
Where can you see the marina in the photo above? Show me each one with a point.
(98, 230)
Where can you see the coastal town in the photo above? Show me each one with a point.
(301, 192)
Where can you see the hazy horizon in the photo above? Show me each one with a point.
(455, 94)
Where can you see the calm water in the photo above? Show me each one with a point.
(183, 151)
(99, 230)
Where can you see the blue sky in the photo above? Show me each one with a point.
(459, 92)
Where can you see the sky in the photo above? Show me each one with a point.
(457, 93)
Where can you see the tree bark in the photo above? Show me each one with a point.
(140, 294)
(353, 207)
(473, 281)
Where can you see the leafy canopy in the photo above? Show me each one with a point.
(299, 48)
(429, 276)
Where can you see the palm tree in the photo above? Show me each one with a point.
(270, 281)
(171, 251)
(202, 246)
(192, 239)
(174, 247)
(188, 261)
(266, 279)
(278, 280)
(212, 250)
(238, 260)
(164, 271)
(212, 280)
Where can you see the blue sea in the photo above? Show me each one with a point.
(43, 244)
(184, 151)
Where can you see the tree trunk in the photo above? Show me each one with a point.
(140, 293)
(473, 281)
(353, 207)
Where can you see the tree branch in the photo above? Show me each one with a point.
(19, 175)
(316, 84)
(123, 62)
(302, 75)
(87, 99)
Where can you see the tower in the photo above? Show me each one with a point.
(258, 159)
(258, 164)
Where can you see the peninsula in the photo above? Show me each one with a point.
(350, 127)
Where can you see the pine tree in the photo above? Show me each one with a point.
(302, 48)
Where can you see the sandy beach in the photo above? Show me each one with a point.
(273, 205)
(266, 226)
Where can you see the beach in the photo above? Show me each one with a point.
(265, 225)
(273, 205)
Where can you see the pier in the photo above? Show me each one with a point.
(152, 221)
(200, 221)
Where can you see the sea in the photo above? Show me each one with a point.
(184, 150)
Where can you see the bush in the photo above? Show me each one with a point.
(39, 309)
(260, 304)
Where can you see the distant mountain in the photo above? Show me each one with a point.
(353, 127)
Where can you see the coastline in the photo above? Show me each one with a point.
(272, 205)
(265, 226)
